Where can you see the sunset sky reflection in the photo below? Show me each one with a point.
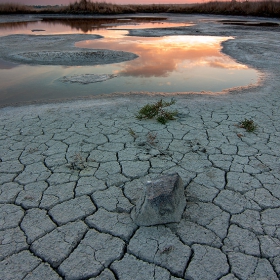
(160, 56)
(165, 64)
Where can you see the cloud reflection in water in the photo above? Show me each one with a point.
(158, 57)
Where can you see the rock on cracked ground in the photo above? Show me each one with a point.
(69, 179)
(71, 173)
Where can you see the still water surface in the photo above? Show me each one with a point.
(166, 64)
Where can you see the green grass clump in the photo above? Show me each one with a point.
(156, 111)
(249, 125)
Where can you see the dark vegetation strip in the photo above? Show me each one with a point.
(257, 8)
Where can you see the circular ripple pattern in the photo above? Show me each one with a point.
(73, 57)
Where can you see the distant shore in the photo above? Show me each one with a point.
(246, 8)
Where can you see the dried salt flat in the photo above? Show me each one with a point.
(87, 78)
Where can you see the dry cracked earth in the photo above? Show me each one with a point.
(71, 173)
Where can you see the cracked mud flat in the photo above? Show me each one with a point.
(70, 174)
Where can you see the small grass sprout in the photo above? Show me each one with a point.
(132, 133)
(156, 111)
(78, 162)
(249, 125)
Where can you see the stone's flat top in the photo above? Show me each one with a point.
(70, 174)
(160, 186)
(163, 201)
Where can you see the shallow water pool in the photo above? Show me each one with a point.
(166, 64)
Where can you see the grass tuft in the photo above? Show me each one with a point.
(156, 111)
(132, 133)
(249, 125)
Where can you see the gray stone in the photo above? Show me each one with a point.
(57, 194)
(96, 251)
(9, 192)
(207, 263)
(163, 201)
(131, 268)
(105, 275)
(11, 216)
(36, 223)
(241, 240)
(42, 272)
(191, 233)
(112, 199)
(11, 241)
(160, 246)
(72, 210)
(117, 224)
(18, 265)
(56, 246)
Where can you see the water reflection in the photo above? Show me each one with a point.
(89, 25)
(53, 25)
(158, 57)
(167, 64)
(7, 64)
